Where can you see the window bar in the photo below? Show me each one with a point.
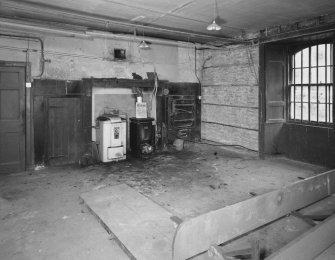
(294, 89)
(317, 83)
(328, 104)
(326, 86)
(309, 85)
(301, 81)
(332, 58)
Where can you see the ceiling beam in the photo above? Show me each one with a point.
(136, 7)
(29, 29)
(171, 12)
(54, 12)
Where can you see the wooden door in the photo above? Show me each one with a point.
(12, 119)
(275, 85)
(64, 130)
(273, 101)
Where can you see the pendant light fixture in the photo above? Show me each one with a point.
(214, 26)
(143, 44)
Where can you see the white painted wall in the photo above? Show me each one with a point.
(75, 58)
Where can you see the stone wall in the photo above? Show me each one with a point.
(230, 96)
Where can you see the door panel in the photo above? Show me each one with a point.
(12, 119)
(275, 85)
(63, 130)
(275, 98)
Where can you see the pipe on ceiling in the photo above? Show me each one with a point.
(105, 35)
(30, 7)
(39, 28)
(97, 34)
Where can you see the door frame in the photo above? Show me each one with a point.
(261, 102)
(29, 153)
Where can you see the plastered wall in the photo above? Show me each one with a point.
(71, 58)
(229, 77)
(230, 96)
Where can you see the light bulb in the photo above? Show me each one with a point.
(213, 26)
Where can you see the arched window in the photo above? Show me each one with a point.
(311, 85)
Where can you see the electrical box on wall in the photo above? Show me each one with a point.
(119, 54)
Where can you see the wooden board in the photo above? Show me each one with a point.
(310, 244)
(141, 227)
(195, 235)
(64, 130)
(327, 205)
(328, 254)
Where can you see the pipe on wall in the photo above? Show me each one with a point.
(37, 39)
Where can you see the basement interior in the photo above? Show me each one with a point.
(167, 130)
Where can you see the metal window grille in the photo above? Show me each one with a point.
(311, 85)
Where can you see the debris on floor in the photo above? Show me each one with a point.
(170, 179)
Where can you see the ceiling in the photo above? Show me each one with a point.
(183, 20)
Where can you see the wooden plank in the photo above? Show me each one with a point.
(310, 244)
(141, 227)
(308, 220)
(328, 254)
(325, 205)
(251, 252)
(321, 216)
(195, 235)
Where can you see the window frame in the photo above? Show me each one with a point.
(292, 50)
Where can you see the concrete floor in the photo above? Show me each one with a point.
(41, 216)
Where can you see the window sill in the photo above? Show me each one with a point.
(326, 126)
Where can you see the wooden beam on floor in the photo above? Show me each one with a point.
(327, 254)
(252, 252)
(310, 244)
(142, 228)
(215, 252)
(308, 220)
(195, 235)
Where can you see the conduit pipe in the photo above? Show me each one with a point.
(105, 35)
(20, 37)
(89, 34)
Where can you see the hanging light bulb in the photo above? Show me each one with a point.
(214, 26)
(143, 45)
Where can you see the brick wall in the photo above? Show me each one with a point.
(230, 96)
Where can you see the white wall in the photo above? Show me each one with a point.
(75, 58)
